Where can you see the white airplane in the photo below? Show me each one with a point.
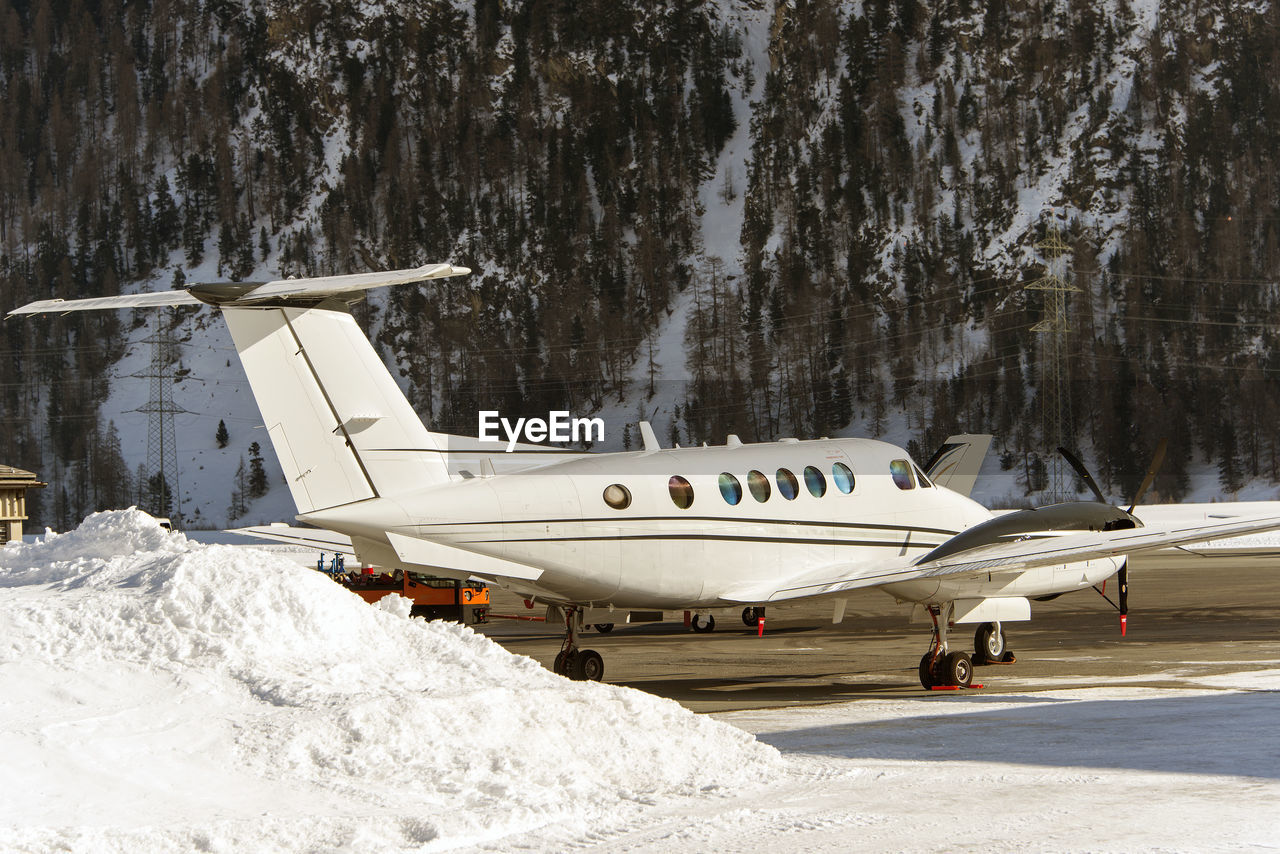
(660, 529)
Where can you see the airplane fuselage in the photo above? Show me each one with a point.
(749, 514)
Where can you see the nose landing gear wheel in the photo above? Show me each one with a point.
(702, 623)
(989, 643)
(751, 616)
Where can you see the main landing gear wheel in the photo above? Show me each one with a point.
(604, 628)
(957, 668)
(930, 674)
(938, 667)
(989, 643)
(581, 664)
(587, 666)
(702, 623)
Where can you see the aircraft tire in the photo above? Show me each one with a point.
(989, 643)
(700, 627)
(563, 663)
(604, 628)
(588, 666)
(749, 618)
(958, 669)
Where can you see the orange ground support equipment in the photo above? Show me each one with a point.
(435, 598)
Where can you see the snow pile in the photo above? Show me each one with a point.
(155, 693)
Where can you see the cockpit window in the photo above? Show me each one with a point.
(902, 476)
(924, 481)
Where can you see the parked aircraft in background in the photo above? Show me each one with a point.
(737, 525)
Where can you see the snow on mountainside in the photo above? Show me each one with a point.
(161, 695)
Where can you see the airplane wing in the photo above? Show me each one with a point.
(823, 581)
(1028, 554)
(1001, 557)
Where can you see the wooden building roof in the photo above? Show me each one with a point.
(10, 476)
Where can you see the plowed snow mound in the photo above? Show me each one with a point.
(154, 691)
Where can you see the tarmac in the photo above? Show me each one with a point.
(1188, 618)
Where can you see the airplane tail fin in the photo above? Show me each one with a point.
(955, 465)
(341, 428)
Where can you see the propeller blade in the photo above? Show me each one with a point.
(1084, 473)
(1157, 459)
(1122, 577)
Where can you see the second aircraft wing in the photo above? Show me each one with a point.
(1000, 557)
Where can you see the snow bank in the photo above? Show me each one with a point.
(156, 693)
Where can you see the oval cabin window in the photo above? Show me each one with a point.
(617, 496)
(843, 476)
(814, 480)
(681, 492)
(788, 486)
(759, 486)
(730, 488)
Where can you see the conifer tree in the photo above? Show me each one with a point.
(257, 474)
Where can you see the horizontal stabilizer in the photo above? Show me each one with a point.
(418, 552)
(159, 299)
(301, 292)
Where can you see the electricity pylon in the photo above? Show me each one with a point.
(1055, 387)
(162, 449)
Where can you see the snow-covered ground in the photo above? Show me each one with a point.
(157, 695)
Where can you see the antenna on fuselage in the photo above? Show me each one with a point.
(649, 438)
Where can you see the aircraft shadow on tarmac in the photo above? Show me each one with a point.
(1225, 733)
(766, 689)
